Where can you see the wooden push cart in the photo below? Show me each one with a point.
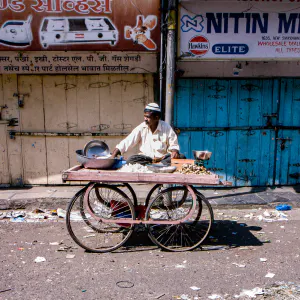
(101, 217)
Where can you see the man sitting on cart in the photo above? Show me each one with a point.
(156, 139)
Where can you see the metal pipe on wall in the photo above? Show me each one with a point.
(162, 57)
(13, 133)
(170, 74)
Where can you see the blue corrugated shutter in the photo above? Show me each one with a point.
(236, 120)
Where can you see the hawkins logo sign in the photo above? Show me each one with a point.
(198, 45)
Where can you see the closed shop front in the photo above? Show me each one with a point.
(70, 73)
(239, 93)
(250, 125)
(61, 114)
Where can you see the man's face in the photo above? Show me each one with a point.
(150, 119)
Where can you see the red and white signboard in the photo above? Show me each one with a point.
(198, 45)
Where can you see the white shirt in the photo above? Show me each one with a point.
(156, 144)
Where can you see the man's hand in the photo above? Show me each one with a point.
(174, 154)
(115, 153)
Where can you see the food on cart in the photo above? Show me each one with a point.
(136, 168)
(194, 169)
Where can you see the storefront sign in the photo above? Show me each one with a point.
(96, 25)
(240, 30)
(77, 62)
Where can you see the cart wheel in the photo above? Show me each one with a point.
(153, 193)
(187, 235)
(127, 189)
(83, 218)
(158, 188)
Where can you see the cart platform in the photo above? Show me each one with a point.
(79, 173)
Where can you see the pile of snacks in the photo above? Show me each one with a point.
(194, 169)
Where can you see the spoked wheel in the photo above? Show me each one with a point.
(158, 188)
(127, 189)
(85, 218)
(153, 193)
(186, 235)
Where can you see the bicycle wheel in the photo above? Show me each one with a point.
(85, 218)
(128, 190)
(202, 198)
(153, 193)
(158, 188)
(97, 203)
(187, 235)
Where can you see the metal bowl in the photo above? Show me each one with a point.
(94, 163)
(203, 155)
(95, 148)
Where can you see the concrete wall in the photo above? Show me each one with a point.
(249, 69)
(65, 104)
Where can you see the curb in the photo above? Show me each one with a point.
(59, 197)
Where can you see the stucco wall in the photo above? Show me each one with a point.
(65, 104)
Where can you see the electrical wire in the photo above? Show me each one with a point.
(247, 9)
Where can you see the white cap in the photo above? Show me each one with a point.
(152, 107)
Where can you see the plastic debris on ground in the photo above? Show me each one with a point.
(75, 216)
(215, 296)
(176, 213)
(66, 248)
(54, 243)
(268, 216)
(250, 293)
(276, 291)
(40, 259)
(263, 259)
(270, 275)
(136, 168)
(239, 265)
(13, 216)
(195, 288)
(17, 220)
(180, 266)
(283, 207)
(282, 290)
(37, 215)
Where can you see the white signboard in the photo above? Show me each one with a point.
(240, 30)
(83, 62)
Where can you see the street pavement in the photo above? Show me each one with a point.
(249, 251)
(252, 249)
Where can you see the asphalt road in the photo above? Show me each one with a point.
(146, 272)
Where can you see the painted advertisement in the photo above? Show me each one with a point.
(82, 62)
(95, 25)
(240, 30)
